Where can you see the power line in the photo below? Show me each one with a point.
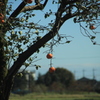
(93, 75)
(92, 57)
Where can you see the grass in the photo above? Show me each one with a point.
(49, 96)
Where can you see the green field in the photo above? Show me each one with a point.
(34, 96)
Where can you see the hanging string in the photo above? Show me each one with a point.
(50, 62)
(51, 51)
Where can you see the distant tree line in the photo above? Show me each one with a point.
(60, 81)
(23, 81)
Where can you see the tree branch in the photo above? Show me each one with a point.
(66, 2)
(17, 11)
(37, 1)
(26, 54)
(38, 6)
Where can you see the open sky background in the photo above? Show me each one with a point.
(76, 56)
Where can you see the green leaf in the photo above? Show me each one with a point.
(26, 64)
(74, 20)
(94, 43)
(12, 32)
(16, 55)
(36, 67)
(38, 51)
(46, 15)
(27, 17)
(38, 38)
(68, 41)
(22, 20)
(9, 37)
(30, 59)
(20, 49)
(19, 74)
(39, 66)
(33, 14)
(37, 32)
(20, 32)
(93, 37)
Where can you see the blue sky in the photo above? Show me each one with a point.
(76, 56)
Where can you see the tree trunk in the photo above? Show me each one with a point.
(3, 68)
(6, 80)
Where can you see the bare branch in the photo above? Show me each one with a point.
(37, 1)
(34, 7)
(17, 11)
(22, 57)
(38, 6)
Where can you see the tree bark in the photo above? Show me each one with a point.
(38, 6)
(3, 68)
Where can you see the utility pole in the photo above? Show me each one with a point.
(93, 73)
(75, 74)
(83, 72)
